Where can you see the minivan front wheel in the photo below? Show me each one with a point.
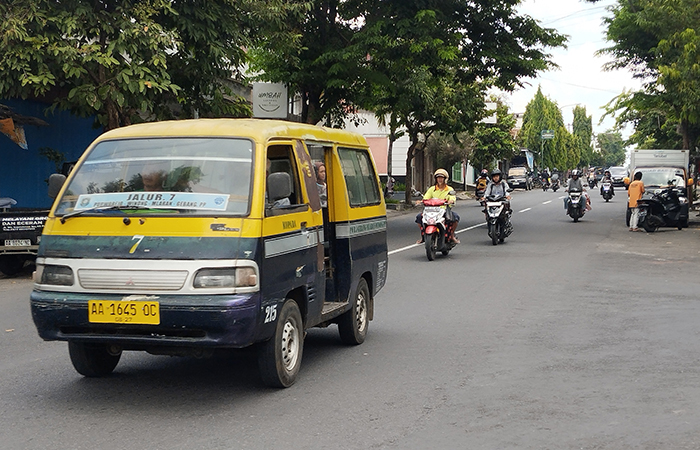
(279, 358)
(93, 360)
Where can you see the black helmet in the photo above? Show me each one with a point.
(575, 173)
(495, 172)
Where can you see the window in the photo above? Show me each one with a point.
(360, 178)
(190, 175)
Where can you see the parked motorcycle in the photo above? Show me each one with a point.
(435, 228)
(607, 190)
(576, 205)
(498, 217)
(665, 208)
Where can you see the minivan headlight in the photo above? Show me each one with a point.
(53, 274)
(225, 277)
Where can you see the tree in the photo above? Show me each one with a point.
(542, 114)
(658, 41)
(582, 130)
(612, 148)
(122, 60)
(494, 142)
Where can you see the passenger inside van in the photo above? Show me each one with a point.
(321, 183)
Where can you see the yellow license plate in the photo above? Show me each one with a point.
(130, 312)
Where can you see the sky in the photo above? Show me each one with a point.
(580, 78)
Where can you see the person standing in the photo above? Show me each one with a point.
(635, 191)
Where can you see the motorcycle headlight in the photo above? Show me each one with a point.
(225, 277)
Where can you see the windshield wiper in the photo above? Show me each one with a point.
(102, 209)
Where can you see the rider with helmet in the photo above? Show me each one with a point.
(441, 190)
(481, 183)
(576, 185)
(607, 178)
(498, 187)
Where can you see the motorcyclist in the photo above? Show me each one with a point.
(441, 190)
(498, 188)
(481, 183)
(607, 178)
(576, 185)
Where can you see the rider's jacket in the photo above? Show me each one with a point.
(436, 192)
(575, 185)
(499, 189)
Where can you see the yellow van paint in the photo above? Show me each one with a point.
(155, 226)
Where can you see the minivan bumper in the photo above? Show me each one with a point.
(185, 321)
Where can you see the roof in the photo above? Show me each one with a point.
(257, 129)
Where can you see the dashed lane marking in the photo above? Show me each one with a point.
(526, 209)
(408, 247)
(548, 201)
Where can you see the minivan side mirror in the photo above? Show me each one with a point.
(279, 185)
(56, 181)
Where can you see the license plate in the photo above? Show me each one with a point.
(18, 243)
(130, 312)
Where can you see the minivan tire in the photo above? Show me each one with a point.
(353, 324)
(92, 360)
(279, 358)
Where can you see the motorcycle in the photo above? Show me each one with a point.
(545, 184)
(607, 191)
(666, 208)
(435, 228)
(498, 218)
(576, 205)
(592, 182)
(555, 183)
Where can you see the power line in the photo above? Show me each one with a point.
(580, 86)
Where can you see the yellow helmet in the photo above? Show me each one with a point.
(441, 172)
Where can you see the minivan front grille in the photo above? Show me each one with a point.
(136, 280)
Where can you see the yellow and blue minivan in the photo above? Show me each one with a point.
(182, 237)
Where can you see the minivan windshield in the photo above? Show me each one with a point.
(163, 175)
(517, 172)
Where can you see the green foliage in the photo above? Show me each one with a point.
(126, 60)
(612, 149)
(658, 41)
(583, 133)
(494, 142)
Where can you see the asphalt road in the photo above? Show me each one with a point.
(568, 336)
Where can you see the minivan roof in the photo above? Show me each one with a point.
(256, 129)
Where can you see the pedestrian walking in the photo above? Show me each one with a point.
(635, 191)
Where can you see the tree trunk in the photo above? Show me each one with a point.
(409, 172)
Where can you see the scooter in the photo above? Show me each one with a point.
(498, 219)
(576, 205)
(607, 190)
(435, 231)
(545, 184)
(592, 182)
(555, 184)
(666, 208)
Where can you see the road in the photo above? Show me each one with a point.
(568, 336)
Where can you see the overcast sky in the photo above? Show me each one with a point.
(580, 78)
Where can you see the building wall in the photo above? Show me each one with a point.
(24, 173)
(377, 138)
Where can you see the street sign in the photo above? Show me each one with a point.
(547, 134)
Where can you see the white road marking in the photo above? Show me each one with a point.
(526, 209)
(408, 247)
(548, 201)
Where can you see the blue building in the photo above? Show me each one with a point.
(24, 172)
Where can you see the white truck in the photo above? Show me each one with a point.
(661, 168)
